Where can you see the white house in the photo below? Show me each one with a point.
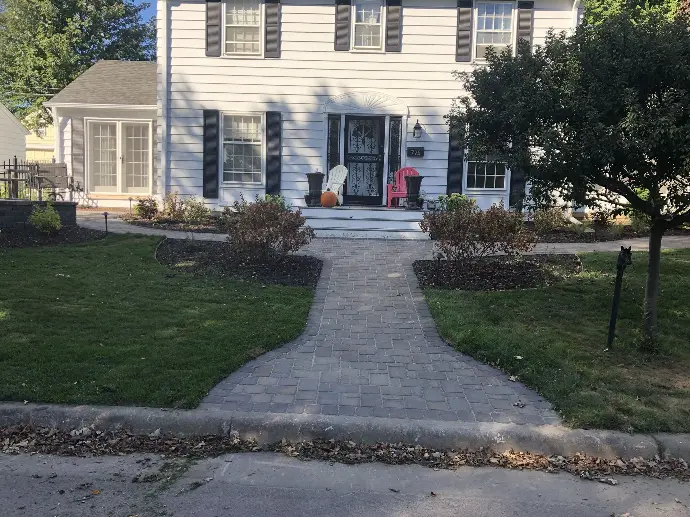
(254, 94)
(12, 136)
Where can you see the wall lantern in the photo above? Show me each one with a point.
(417, 131)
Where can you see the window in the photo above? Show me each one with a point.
(368, 26)
(486, 175)
(243, 27)
(119, 157)
(494, 27)
(242, 148)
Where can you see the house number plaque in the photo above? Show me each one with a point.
(415, 152)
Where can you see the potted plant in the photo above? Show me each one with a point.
(414, 191)
(315, 180)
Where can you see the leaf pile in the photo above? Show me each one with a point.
(90, 442)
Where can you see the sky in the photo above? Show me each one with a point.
(150, 11)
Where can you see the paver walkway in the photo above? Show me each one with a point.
(371, 348)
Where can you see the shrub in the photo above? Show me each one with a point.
(195, 211)
(267, 227)
(278, 200)
(603, 217)
(549, 219)
(146, 208)
(46, 219)
(640, 222)
(173, 207)
(467, 232)
(455, 202)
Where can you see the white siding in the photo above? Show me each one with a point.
(12, 137)
(308, 74)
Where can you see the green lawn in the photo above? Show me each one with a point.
(104, 323)
(560, 331)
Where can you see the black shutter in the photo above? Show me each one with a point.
(274, 152)
(463, 50)
(524, 30)
(343, 15)
(333, 142)
(394, 25)
(517, 189)
(456, 162)
(214, 21)
(273, 11)
(211, 153)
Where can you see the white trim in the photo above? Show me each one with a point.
(475, 20)
(128, 107)
(375, 50)
(366, 102)
(120, 149)
(57, 137)
(162, 121)
(221, 162)
(14, 119)
(262, 34)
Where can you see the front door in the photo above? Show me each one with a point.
(364, 159)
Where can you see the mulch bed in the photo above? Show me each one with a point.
(600, 234)
(29, 237)
(217, 259)
(88, 442)
(496, 273)
(209, 227)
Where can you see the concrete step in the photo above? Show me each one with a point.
(373, 233)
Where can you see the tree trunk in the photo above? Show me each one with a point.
(651, 320)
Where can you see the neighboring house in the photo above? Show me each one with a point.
(12, 136)
(105, 122)
(40, 145)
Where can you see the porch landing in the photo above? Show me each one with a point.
(365, 223)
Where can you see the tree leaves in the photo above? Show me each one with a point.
(46, 44)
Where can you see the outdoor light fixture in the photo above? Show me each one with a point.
(417, 132)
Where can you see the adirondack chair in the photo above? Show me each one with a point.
(399, 190)
(336, 181)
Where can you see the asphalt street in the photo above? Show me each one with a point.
(268, 485)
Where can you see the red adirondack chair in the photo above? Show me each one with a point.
(399, 190)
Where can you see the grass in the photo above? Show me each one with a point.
(105, 323)
(561, 332)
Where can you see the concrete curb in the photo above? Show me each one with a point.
(270, 428)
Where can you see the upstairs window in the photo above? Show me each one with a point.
(243, 27)
(368, 26)
(494, 27)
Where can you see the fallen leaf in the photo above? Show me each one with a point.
(608, 481)
(394, 490)
(433, 494)
(519, 357)
(519, 404)
(95, 492)
(513, 378)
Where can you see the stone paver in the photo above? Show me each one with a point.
(371, 348)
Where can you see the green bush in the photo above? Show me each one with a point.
(195, 211)
(455, 202)
(603, 217)
(46, 219)
(173, 207)
(549, 219)
(146, 208)
(278, 200)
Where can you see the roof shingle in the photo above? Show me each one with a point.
(130, 83)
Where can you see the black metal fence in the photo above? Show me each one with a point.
(40, 181)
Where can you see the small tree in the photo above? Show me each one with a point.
(601, 115)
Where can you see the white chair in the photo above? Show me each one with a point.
(336, 181)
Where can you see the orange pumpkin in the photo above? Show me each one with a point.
(329, 199)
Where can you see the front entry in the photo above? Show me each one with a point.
(364, 159)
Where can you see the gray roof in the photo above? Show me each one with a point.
(131, 83)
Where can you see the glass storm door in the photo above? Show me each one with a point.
(364, 159)
(135, 158)
(103, 157)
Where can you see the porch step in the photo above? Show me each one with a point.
(365, 223)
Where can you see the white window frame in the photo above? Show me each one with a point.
(466, 175)
(221, 160)
(475, 25)
(244, 55)
(120, 150)
(381, 48)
